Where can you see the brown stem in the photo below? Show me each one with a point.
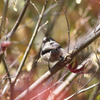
(4, 15)
(31, 41)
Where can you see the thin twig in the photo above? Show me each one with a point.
(35, 7)
(65, 12)
(94, 93)
(6, 68)
(22, 41)
(88, 81)
(83, 90)
(42, 26)
(4, 15)
(18, 20)
(62, 86)
(50, 8)
(68, 30)
(25, 24)
(97, 23)
(45, 13)
(10, 69)
(96, 90)
(4, 89)
(55, 18)
(59, 81)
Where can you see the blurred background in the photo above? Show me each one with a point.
(82, 17)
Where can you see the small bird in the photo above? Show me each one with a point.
(51, 51)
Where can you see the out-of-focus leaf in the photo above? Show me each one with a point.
(74, 68)
(4, 45)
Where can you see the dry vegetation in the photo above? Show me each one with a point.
(23, 25)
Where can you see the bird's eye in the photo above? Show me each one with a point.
(51, 43)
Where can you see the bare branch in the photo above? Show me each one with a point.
(42, 26)
(6, 68)
(61, 63)
(59, 81)
(45, 13)
(35, 7)
(4, 90)
(94, 93)
(65, 12)
(4, 15)
(18, 20)
(31, 41)
(83, 90)
(61, 87)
